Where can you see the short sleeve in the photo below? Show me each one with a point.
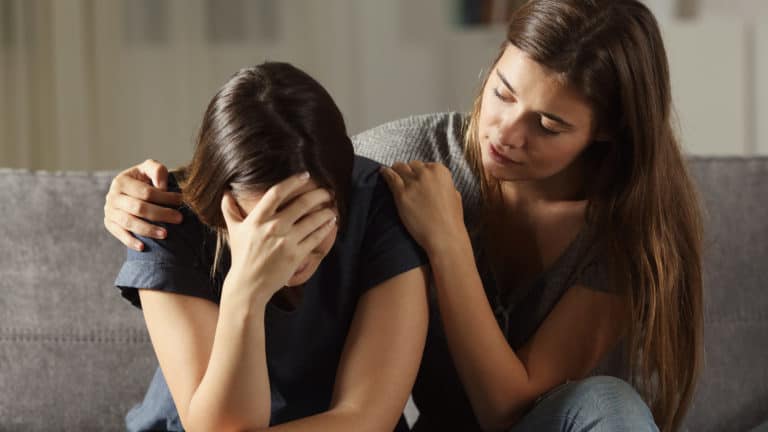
(177, 264)
(594, 275)
(388, 249)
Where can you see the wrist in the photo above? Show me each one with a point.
(457, 242)
(244, 292)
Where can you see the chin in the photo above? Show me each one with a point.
(497, 172)
(301, 278)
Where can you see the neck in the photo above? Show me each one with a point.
(567, 185)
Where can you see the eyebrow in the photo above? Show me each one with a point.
(550, 116)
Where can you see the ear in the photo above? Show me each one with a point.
(231, 211)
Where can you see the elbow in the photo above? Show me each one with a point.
(192, 424)
(501, 415)
(496, 423)
(501, 421)
(373, 417)
(206, 418)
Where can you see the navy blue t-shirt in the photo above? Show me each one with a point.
(303, 345)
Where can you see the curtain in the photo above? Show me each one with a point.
(101, 84)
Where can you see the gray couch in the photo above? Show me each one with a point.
(75, 356)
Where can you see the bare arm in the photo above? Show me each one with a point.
(499, 382)
(380, 360)
(215, 365)
(214, 360)
(502, 383)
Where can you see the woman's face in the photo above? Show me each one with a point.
(310, 264)
(531, 126)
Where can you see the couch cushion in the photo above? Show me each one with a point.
(72, 352)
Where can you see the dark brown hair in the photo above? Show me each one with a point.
(266, 123)
(641, 196)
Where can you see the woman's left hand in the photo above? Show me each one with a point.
(428, 202)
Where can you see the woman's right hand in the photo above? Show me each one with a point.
(269, 244)
(140, 192)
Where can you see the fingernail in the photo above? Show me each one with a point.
(160, 233)
(304, 175)
(138, 246)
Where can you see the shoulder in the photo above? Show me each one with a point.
(368, 189)
(188, 235)
(437, 137)
(180, 263)
(374, 241)
(424, 137)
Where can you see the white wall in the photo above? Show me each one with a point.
(79, 91)
(708, 67)
(760, 78)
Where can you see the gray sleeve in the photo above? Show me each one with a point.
(429, 137)
(437, 137)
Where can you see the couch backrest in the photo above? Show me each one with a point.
(75, 355)
(733, 390)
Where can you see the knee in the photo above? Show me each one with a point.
(607, 403)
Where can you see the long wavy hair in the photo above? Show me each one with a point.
(266, 123)
(641, 196)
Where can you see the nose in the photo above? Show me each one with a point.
(511, 130)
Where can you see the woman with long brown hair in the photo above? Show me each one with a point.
(573, 244)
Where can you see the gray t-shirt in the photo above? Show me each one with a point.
(439, 138)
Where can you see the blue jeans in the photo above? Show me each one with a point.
(156, 412)
(599, 403)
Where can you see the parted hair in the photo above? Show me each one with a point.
(266, 123)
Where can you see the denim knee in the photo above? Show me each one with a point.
(610, 400)
(600, 403)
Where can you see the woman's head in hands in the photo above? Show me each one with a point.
(266, 124)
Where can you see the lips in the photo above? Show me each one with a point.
(499, 157)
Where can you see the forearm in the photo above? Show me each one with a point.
(380, 360)
(235, 391)
(340, 420)
(493, 376)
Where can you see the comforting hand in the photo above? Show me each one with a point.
(428, 202)
(140, 193)
(270, 243)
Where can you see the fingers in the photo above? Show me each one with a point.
(127, 185)
(304, 204)
(231, 210)
(156, 171)
(312, 222)
(417, 167)
(404, 170)
(142, 209)
(124, 236)
(393, 179)
(314, 239)
(128, 222)
(276, 196)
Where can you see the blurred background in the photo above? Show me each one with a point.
(104, 84)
